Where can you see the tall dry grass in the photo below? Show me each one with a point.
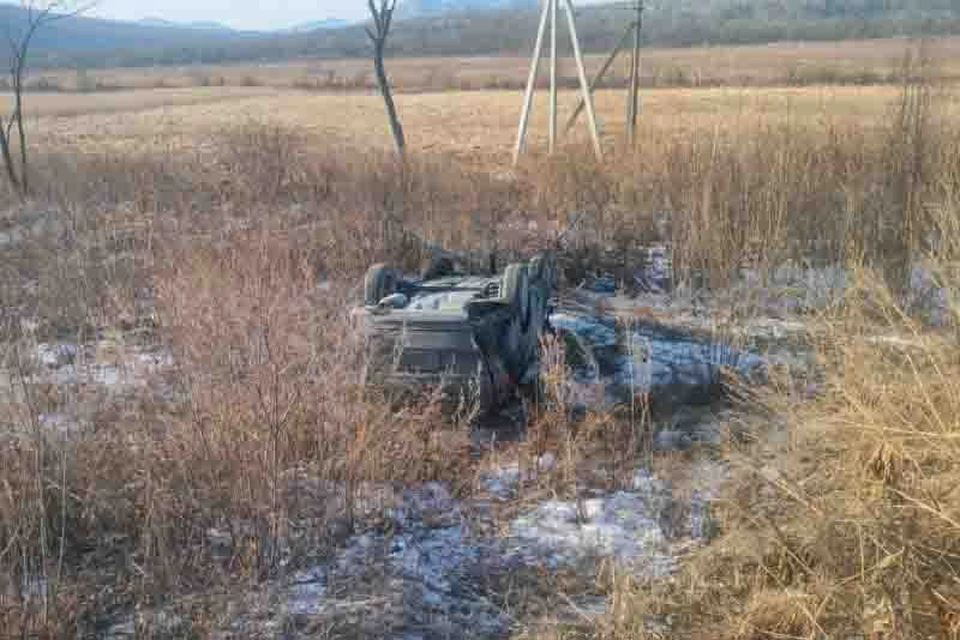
(841, 516)
(240, 262)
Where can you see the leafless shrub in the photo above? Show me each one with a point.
(239, 258)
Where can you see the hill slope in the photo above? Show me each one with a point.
(94, 42)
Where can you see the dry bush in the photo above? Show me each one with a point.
(844, 519)
(841, 516)
(727, 199)
(239, 257)
(264, 433)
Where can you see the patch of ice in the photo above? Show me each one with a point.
(306, 593)
(428, 565)
(126, 628)
(427, 568)
(597, 334)
(547, 461)
(623, 525)
(434, 560)
(56, 355)
(677, 368)
(70, 364)
(430, 502)
(501, 482)
(927, 296)
(653, 359)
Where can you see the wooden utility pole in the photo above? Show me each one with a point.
(531, 82)
(549, 12)
(633, 96)
(597, 78)
(633, 100)
(553, 75)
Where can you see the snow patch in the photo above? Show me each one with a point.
(306, 592)
(70, 364)
(650, 359)
(622, 525)
(504, 481)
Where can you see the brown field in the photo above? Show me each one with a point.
(739, 88)
(477, 126)
(733, 89)
(851, 62)
(203, 245)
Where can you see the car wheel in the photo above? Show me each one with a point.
(516, 290)
(540, 270)
(379, 282)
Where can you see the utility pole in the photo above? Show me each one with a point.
(633, 100)
(549, 13)
(633, 96)
(553, 75)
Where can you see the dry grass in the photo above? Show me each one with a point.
(477, 127)
(230, 234)
(840, 519)
(841, 516)
(864, 62)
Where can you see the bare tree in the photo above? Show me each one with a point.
(38, 14)
(382, 13)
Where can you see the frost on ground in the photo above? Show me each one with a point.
(105, 363)
(623, 525)
(421, 562)
(419, 571)
(436, 566)
(85, 376)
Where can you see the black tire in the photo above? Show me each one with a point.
(541, 269)
(379, 282)
(515, 290)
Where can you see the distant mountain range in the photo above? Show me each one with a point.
(317, 25)
(476, 27)
(202, 25)
(206, 25)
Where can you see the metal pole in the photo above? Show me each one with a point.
(531, 81)
(633, 103)
(553, 74)
(584, 86)
(597, 78)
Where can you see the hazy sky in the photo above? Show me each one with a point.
(240, 14)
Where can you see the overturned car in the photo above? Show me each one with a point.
(476, 337)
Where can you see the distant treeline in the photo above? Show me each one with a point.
(98, 43)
